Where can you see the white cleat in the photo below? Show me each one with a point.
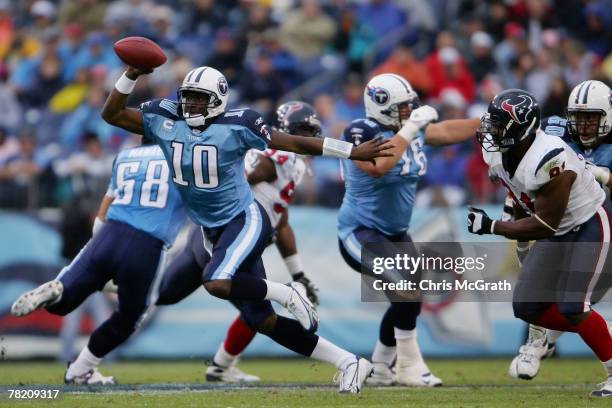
(350, 380)
(382, 375)
(46, 294)
(526, 364)
(231, 374)
(91, 377)
(302, 308)
(605, 390)
(417, 375)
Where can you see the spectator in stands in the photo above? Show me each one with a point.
(7, 28)
(43, 14)
(88, 13)
(449, 70)
(350, 106)
(598, 33)
(261, 86)
(307, 31)
(98, 50)
(481, 61)
(228, 56)
(384, 16)
(404, 63)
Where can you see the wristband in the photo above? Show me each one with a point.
(337, 148)
(294, 264)
(125, 85)
(408, 131)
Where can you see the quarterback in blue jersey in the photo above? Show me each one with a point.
(141, 214)
(586, 129)
(205, 146)
(378, 203)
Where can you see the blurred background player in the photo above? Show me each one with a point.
(378, 204)
(563, 208)
(206, 146)
(273, 176)
(586, 129)
(143, 214)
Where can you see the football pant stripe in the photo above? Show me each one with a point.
(604, 221)
(242, 246)
(153, 294)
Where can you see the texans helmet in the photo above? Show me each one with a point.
(512, 115)
(298, 118)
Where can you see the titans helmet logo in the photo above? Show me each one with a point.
(222, 86)
(518, 108)
(380, 96)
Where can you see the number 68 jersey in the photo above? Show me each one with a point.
(144, 196)
(547, 157)
(277, 195)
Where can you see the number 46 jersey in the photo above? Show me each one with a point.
(277, 195)
(547, 157)
(144, 196)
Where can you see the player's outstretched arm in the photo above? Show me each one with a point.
(264, 171)
(115, 112)
(550, 205)
(367, 151)
(451, 131)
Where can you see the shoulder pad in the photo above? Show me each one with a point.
(162, 107)
(361, 130)
(555, 126)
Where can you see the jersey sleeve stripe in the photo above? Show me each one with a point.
(547, 157)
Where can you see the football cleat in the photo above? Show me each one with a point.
(526, 364)
(302, 308)
(352, 377)
(231, 374)
(605, 390)
(417, 375)
(382, 375)
(91, 377)
(46, 294)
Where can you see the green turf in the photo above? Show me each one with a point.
(468, 383)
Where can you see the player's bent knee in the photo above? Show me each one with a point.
(575, 318)
(220, 288)
(267, 325)
(525, 311)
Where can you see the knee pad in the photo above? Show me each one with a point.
(219, 288)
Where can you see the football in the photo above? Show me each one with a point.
(140, 52)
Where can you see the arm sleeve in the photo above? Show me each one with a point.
(255, 134)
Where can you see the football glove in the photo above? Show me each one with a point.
(311, 289)
(479, 222)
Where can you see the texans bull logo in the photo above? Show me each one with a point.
(379, 95)
(518, 108)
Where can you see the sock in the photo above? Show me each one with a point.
(608, 367)
(330, 353)
(290, 334)
(386, 334)
(222, 358)
(553, 319)
(83, 363)
(405, 314)
(595, 333)
(239, 335)
(277, 292)
(383, 354)
(553, 335)
(408, 352)
(247, 287)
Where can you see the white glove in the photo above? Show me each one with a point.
(419, 118)
(601, 173)
(97, 226)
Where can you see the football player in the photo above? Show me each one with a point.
(273, 176)
(141, 214)
(378, 203)
(560, 205)
(586, 129)
(205, 146)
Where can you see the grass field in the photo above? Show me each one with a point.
(301, 383)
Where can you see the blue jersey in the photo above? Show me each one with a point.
(557, 126)
(384, 203)
(207, 167)
(144, 196)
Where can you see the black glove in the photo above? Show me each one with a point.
(479, 222)
(311, 289)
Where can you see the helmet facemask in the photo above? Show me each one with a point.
(587, 126)
(400, 112)
(494, 137)
(195, 103)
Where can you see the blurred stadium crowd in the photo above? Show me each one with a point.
(57, 65)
